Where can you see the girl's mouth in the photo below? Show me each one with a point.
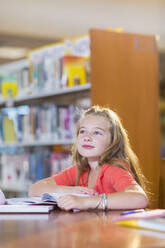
(87, 146)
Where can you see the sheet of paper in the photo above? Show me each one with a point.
(23, 200)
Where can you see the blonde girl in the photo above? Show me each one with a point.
(105, 167)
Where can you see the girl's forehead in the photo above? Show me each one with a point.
(94, 120)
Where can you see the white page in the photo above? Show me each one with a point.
(23, 200)
(55, 196)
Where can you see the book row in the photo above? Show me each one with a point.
(50, 68)
(18, 171)
(46, 122)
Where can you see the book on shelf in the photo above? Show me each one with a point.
(14, 171)
(81, 46)
(23, 81)
(151, 219)
(40, 165)
(9, 87)
(15, 76)
(73, 71)
(45, 67)
(66, 121)
(60, 161)
(42, 123)
(9, 130)
(18, 171)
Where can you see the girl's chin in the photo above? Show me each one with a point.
(91, 158)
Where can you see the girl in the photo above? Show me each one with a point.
(105, 167)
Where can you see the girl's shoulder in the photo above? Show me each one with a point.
(69, 170)
(117, 164)
(72, 168)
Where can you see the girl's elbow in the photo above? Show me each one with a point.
(143, 201)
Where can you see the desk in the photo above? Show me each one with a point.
(73, 230)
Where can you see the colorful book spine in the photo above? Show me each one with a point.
(21, 169)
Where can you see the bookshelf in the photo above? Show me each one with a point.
(43, 150)
(38, 143)
(72, 90)
(124, 76)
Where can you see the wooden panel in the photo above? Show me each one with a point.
(125, 78)
(162, 185)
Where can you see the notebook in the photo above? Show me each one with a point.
(156, 213)
(156, 224)
(42, 209)
(151, 219)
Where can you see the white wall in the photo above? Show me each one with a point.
(61, 18)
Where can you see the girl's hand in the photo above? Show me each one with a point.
(83, 190)
(70, 202)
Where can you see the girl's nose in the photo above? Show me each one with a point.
(87, 136)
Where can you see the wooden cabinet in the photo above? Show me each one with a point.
(124, 77)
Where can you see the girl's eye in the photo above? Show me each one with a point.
(82, 131)
(97, 133)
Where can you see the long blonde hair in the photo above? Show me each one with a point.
(118, 153)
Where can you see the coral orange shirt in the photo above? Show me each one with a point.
(111, 179)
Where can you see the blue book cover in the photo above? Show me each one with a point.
(32, 167)
(39, 166)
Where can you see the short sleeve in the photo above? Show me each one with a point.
(67, 177)
(120, 178)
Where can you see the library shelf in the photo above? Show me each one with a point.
(56, 92)
(37, 143)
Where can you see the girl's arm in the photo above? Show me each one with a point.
(49, 185)
(42, 186)
(132, 197)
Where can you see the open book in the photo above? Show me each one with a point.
(42, 204)
(45, 199)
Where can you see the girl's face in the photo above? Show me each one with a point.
(93, 137)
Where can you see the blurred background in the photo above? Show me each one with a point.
(29, 24)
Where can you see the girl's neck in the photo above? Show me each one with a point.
(93, 164)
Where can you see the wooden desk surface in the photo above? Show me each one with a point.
(73, 230)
